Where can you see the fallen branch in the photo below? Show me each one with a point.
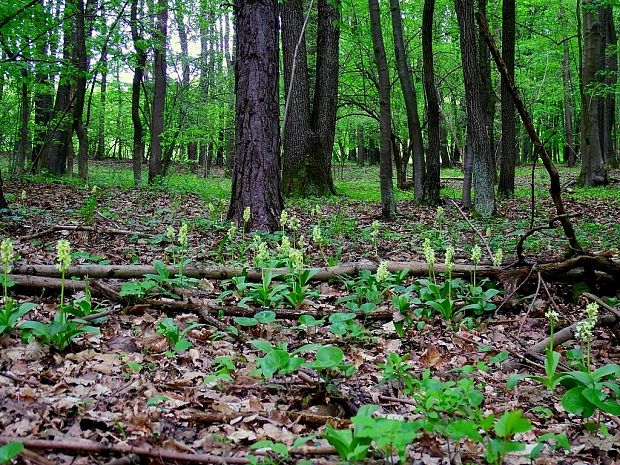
(550, 225)
(471, 225)
(97, 229)
(566, 334)
(554, 176)
(602, 303)
(89, 447)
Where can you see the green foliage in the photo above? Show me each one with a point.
(10, 450)
(176, 338)
(10, 313)
(59, 333)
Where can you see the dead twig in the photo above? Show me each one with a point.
(471, 225)
(530, 307)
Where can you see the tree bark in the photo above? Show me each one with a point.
(431, 180)
(570, 154)
(81, 65)
(506, 187)
(483, 162)
(361, 150)
(23, 143)
(593, 171)
(185, 80)
(610, 59)
(101, 149)
(3, 203)
(325, 106)
(388, 204)
(301, 165)
(488, 94)
(59, 138)
(411, 101)
(159, 91)
(256, 172)
(137, 153)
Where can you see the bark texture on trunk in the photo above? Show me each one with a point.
(61, 125)
(159, 91)
(300, 163)
(593, 171)
(411, 100)
(3, 204)
(478, 131)
(569, 148)
(506, 187)
(23, 142)
(431, 180)
(388, 204)
(325, 105)
(137, 153)
(81, 65)
(309, 132)
(610, 60)
(256, 172)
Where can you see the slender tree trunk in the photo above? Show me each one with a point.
(81, 64)
(3, 203)
(483, 161)
(24, 142)
(101, 149)
(388, 204)
(183, 114)
(61, 125)
(610, 77)
(431, 181)
(361, 150)
(593, 171)
(506, 186)
(411, 100)
(137, 153)
(569, 147)
(159, 91)
(256, 173)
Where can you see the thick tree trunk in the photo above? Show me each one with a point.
(593, 171)
(411, 100)
(488, 94)
(137, 153)
(325, 106)
(483, 161)
(506, 187)
(159, 91)
(388, 204)
(256, 173)
(301, 165)
(431, 180)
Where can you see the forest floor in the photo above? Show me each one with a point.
(288, 369)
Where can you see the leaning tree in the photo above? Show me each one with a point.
(256, 172)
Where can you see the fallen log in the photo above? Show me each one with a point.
(24, 274)
(96, 229)
(566, 334)
(81, 446)
(253, 274)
